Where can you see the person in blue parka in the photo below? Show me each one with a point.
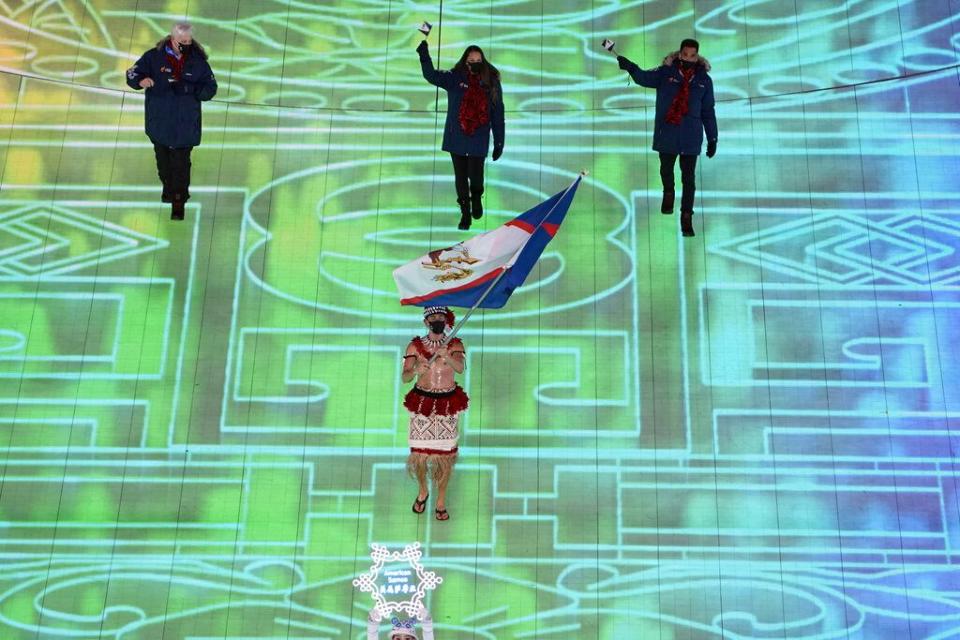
(685, 110)
(474, 109)
(177, 78)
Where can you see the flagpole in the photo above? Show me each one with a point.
(456, 329)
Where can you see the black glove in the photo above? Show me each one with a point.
(623, 62)
(497, 151)
(711, 148)
(423, 47)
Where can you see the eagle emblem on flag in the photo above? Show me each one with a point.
(453, 263)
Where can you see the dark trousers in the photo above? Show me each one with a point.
(468, 176)
(688, 177)
(173, 167)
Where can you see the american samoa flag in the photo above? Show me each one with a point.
(462, 275)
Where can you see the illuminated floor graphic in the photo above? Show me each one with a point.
(748, 434)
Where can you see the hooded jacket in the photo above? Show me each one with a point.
(173, 108)
(454, 139)
(687, 137)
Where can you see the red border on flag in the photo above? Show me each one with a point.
(469, 285)
(549, 227)
(520, 224)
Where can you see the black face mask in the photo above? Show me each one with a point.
(687, 64)
(185, 48)
(475, 67)
(437, 326)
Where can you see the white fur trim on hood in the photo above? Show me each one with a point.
(668, 61)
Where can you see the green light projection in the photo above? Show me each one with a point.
(748, 434)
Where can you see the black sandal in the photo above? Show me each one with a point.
(419, 506)
(442, 514)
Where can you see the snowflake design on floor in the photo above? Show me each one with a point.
(411, 554)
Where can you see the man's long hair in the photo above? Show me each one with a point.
(197, 47)
(488, 73)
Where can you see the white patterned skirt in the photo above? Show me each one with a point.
(435, 419)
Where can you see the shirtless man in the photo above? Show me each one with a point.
(435, 404)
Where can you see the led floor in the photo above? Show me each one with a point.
(752, 433)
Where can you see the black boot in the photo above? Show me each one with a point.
(476, 202)
(176, 209)
(667, 205)
(464, 214)
(686, 224)
(687, 196)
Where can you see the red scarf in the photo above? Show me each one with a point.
(176, 64)
(679, 106)
(473, 107)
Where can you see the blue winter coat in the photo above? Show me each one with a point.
(173, 108)
(454, 139)
(687, 137)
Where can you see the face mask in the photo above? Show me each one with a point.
(437, 326)
(185, 48)
(687, 64)
(475, 67)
